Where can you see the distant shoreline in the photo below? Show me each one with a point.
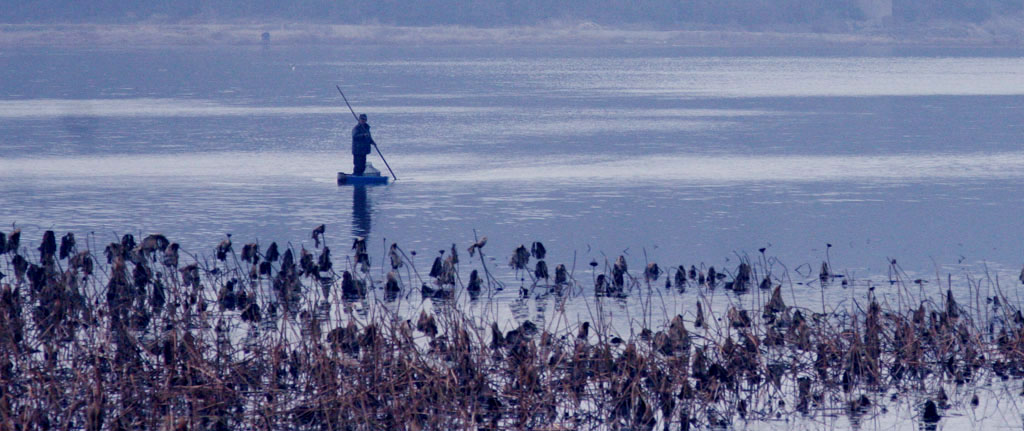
(287, 34)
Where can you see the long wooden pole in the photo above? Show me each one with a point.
(395, 177)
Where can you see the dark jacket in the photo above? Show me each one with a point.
(361, 139)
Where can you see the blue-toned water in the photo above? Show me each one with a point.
(684, 155)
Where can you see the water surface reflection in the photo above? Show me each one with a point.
(361, 212)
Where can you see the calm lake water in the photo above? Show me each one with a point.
(686, 155)
(661, 154)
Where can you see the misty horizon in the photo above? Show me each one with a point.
(774, 15)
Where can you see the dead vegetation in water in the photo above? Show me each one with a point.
(142, 335)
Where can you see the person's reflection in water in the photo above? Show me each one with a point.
(360, 212)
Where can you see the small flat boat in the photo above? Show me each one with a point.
(349, 179)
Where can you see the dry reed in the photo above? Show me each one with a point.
(135, 337)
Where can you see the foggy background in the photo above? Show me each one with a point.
(757, 15)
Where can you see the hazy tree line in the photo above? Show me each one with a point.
(654, 13)
(955, 10)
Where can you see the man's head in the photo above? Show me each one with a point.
(362, 118)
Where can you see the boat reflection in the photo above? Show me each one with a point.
(361, 212)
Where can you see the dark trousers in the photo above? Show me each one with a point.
(359, 164)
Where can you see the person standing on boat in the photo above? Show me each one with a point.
(361, 142)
